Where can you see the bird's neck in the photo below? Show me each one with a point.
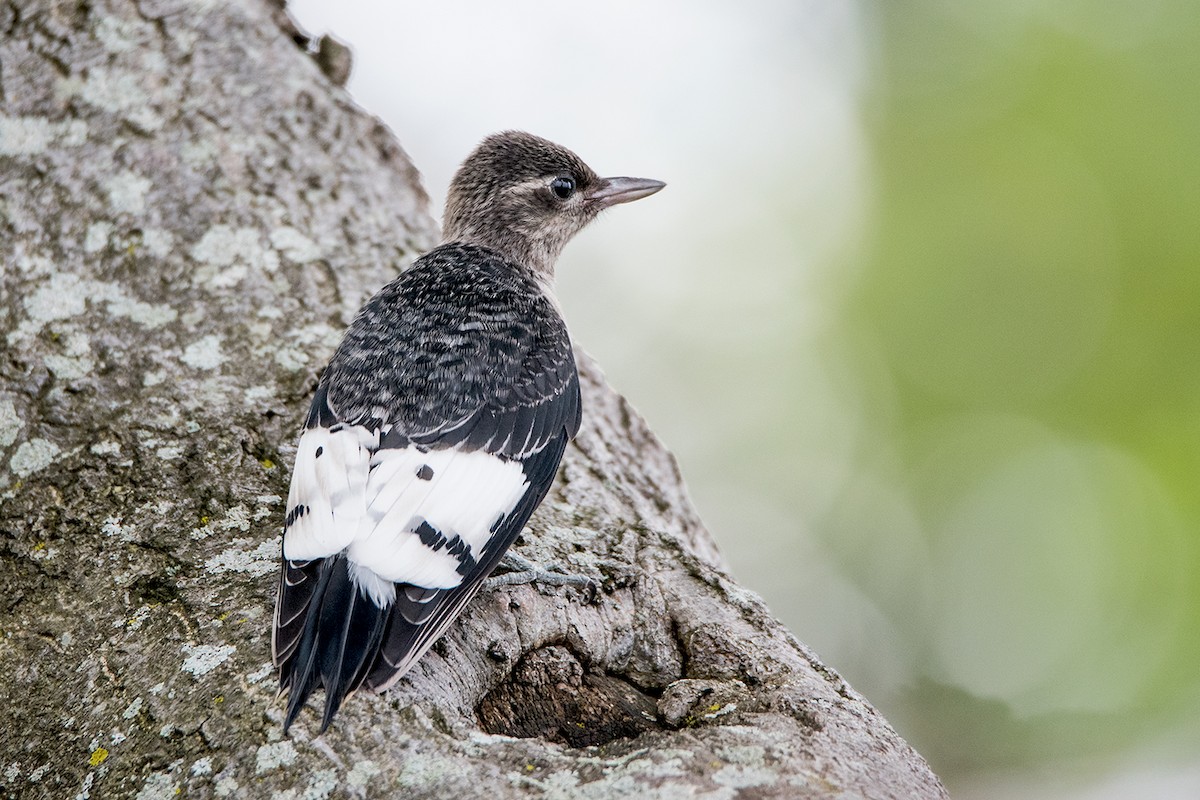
(537, 257)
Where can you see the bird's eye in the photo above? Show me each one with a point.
(562, 187)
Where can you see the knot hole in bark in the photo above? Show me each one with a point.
(550, 695)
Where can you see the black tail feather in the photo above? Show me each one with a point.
(342, 633)
(296, 673)
(354, 634)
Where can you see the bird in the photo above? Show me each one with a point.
(437, 426)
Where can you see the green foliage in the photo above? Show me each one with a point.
(1026, 330)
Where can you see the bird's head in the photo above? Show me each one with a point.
(526, 197)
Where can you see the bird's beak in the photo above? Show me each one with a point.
(611, 191)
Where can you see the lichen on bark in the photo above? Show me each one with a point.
(190, 212)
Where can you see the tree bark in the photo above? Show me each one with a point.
(191, 212)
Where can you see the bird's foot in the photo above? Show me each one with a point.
(521, 570)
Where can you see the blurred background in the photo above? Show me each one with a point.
(919, 312)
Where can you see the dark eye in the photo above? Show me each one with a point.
(563, 187)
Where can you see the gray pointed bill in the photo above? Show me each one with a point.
(611, 191)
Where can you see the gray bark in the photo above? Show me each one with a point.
(190, 213)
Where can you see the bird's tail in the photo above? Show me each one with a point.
(343, 630)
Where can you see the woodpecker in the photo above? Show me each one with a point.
(437, 427)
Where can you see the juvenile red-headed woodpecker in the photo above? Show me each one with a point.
(437, 427)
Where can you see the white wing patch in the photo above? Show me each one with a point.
(327, 500)
(458, 494)
(402, 515)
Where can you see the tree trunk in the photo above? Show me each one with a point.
(191, 212)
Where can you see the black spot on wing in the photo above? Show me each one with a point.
(452, 544)
(425, 473)
(296, 513)
(320, 452)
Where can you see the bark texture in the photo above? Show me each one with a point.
(190, 212)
